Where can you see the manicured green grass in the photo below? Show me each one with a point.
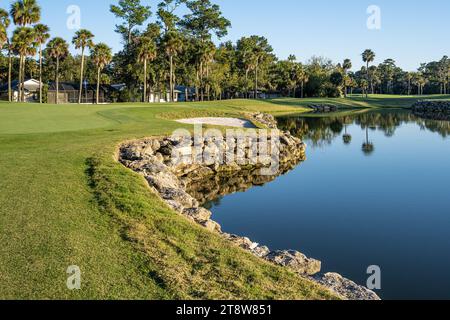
(65, 201)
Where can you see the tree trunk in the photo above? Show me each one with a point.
(40, 74)
(98, 85)
(256, 82)
(9, 74)
(246, 81)
(22, 83)
(171, 80)
(145, 81)
(368, 79)
(19, 88)
(80, 93)
(57, 80)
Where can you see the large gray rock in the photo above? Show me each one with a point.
(163, 180)
(180, 196)
(345, 288)
(296, 261)
(198, 214)
(212, 226)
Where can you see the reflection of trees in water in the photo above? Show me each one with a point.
(368, 147)
(321, 131)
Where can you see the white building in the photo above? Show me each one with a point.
(31, 87)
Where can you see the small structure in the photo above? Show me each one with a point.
(69, 93)
(186, 93)
(31, 87)
(161, 97)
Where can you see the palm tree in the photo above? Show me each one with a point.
(173, 45)
(41, 32)
(4, 24)
(82, 40)
(368, 57)
(206, 52)
(23, 43)
(4, 39)
(24, 12)
(101, 56)
(368, 147)
(146, 52)
(346, 66)
(58, 49)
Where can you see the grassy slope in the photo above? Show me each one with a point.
(65, 201)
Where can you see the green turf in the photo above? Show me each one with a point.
(65, 201)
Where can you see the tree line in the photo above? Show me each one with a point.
(174, 49)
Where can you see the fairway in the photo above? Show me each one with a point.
(65, 201)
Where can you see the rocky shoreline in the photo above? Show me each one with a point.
(323, 108)
(186, 187)
(433, 110)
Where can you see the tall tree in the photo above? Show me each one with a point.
(166, 14)
(244, 49)
(368, 56)
(83, 40)
(42, 34)
(4, 24)
(24, 12)
(58, 49)
(5, 21)
(133, 14)
(173, 44)
(203, 20)
(147, 52)
(346, 66)
(261, 54)
(24, 45)
(101, 56)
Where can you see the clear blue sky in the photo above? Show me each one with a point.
(411, 32)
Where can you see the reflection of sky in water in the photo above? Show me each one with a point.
(350, 210)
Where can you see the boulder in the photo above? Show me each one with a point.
(261, 252)
(163, 180)
(180, 196)
(175, 205)
(198, 214)
(345, 288)
(296, 261)
(212, 226)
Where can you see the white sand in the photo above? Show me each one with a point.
(224, 122)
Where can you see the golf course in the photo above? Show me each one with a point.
(66, 201)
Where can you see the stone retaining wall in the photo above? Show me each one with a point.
(435, 110)
(185, 188)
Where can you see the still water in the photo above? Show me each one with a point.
(375, 190)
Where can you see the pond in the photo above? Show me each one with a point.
(374, 190)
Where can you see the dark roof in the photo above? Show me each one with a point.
(67, 86)
(191, 90)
